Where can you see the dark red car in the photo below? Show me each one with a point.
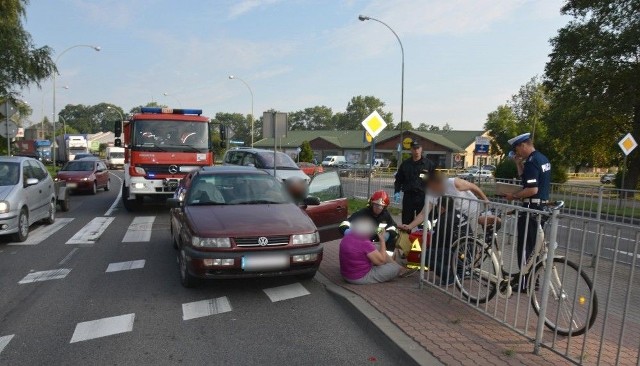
(232, 221)
(85, 175)
(310, 169)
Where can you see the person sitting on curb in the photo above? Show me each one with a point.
(360, 262)
(377, 210)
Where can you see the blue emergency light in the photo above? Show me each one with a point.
(170, 110)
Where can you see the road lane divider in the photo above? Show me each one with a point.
(68, 257)
(41, 233)
(139, 230)
(118, 197)
(199, 309)
(125, 266)
(54, 274)
(103, 327)
(4, 341)
(286, 292)
(92, 231)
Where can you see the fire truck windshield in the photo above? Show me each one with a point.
(162, 135)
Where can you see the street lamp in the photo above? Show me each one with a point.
(65, 87)
(64, 124)
(174, 97)
(97, 49)
(231, 77)
(363, 18)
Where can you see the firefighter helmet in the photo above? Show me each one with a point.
(380, 198)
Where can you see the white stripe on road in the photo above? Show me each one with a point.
(117, 200)
(4, 341)
(596, 233)
(199, 309)
(124, 266)
(92, 231)
(286, 292)
(54, 274)
(103, 327)
(68, 257)
(44, 232)
(139, 230)
(625, 253)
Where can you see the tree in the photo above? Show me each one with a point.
(357, 110)
(306, 154)
(91, 119)
(406, 126)
(238, 126)
(447, 127)
(313, 118)
(21, 63)
(594, 72)
(502, 125)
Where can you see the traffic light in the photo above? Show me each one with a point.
(223, 134)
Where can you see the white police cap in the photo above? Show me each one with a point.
(519, 139)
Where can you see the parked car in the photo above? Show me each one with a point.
(263, 159)
(334, 160)
(86, 174)
(476, 175)
(491, 168)
(273, 237)
(310, 169)
(83, 156)
(351, 170)
(27, 195)
(608, 178)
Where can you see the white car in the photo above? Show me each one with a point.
(476, 175)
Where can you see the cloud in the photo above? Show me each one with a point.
(246, 6)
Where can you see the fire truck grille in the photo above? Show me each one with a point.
(159, 168)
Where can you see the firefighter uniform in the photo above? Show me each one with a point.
(408, 181)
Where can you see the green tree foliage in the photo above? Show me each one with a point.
(91, 119)
(447, 127)
(314, 118)
(503, 125)
(357, 110)
(306, 155)
(594, 77)
(21, 62)
(506, 169)
(238, 126)
(406, 126)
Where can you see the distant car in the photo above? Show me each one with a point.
(27, 195)
(350, 170)
(84, 156)
(334, 160)
(231, 221)
(476, 175)
(608, 178)
(85, 175)
(491, 168)
(263, 159)
(310, 169)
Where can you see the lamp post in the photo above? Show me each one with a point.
(174, 97)
(400, 149)
(64, 124)
(65, 87)
(231, 77)
(97, 49)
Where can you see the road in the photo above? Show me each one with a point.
(112, 296)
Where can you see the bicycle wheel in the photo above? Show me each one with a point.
(571, 308)
(476, 270)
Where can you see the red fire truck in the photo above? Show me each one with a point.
(162, 146)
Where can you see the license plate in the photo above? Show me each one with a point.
(72, 185)
(265, 262)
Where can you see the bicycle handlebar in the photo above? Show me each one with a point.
(556, 205)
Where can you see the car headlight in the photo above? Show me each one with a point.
(85, 179)
(300, 239)
(4, 206)
(56, 179)
(211, 242)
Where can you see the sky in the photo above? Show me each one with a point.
(463, 58)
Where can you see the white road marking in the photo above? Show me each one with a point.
(68, 257)
(286, 292)
(622, 252)
(596, 233)
(124, 266)
(4, 341)
(54, 274)
(117, 200)
(103, 327)
(199, 309)
(92, 231)
(44, 232)
(139, 230)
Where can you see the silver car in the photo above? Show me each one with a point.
(27, 195)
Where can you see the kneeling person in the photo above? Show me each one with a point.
(376, 210)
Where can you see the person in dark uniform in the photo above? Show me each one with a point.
(535, 172)
(408, 181)
(376, 210)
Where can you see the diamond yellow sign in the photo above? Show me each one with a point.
(374, 124)
(627, 144)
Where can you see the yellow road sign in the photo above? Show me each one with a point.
(406, 143)
(627, 144)
(374, 124)
(367, 136)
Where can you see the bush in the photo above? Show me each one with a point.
(559, 173)
(306, 153)
(506, 169)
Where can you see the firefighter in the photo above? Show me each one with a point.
(376, 209)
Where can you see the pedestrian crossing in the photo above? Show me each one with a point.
(92, 231)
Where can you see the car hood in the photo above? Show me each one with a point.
(248, 220)
(284, 174)
(5, 191)
(73, 174)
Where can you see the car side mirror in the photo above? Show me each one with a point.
(174, 203)
(30, 182)
(311, 201)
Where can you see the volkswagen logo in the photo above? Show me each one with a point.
(262, 241)
(173, 169)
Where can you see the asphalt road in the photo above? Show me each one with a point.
(94, 309)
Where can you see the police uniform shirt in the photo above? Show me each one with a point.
(408, 176)
(537, 173)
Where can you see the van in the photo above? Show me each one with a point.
(379, 163)
(115, 157)
(333, 160)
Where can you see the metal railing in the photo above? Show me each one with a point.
(585, 309)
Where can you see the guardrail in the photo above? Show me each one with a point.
(586, 310)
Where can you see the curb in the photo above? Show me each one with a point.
(409, 352)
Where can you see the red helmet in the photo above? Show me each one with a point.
(380, 198)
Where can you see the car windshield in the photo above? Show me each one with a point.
(236, 189)
(117, 155)
(9, 173)
(78, 166)
(152, 135)
(283, 161)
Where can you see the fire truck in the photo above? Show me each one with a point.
(162, 145)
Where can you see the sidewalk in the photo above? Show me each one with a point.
(450, 330)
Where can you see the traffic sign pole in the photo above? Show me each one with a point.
(6, 122)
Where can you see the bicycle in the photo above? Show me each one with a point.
(480, 273)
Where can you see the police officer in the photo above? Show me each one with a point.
(408, 181)
(535, 172)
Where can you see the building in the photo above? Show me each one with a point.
(449, 149)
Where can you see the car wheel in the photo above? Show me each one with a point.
(51, 218)
(23, 226)
(129, 205)
(94, 189)
(186, 279)
(108, 186)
